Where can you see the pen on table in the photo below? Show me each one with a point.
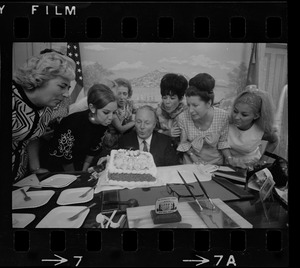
(117, 213)
(204, 191)
(111, 218)
(185, 184)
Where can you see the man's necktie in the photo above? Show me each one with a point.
(145, 148)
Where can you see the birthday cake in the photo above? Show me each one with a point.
(130, 166)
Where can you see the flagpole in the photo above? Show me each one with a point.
(250, 67)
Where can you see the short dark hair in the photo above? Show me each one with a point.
(48, 50)
(125, 83)
(202, 85)
(100, 95)
(173, 84)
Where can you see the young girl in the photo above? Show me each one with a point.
(123, 117)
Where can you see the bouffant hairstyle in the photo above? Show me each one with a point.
(100, 95)
(44, 67)
(261, 103)
(173, 84)
(125, 83)
(202, 85)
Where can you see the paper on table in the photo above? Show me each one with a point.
(225, 168)
(208, 168)
(169, 174)
(283, 194)
(140, 217)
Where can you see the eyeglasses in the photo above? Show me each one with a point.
(180, 191)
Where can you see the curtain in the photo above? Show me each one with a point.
(255, 75)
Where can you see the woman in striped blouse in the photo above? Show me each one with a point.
(38, 87)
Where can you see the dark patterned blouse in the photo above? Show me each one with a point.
(74, 139)
(28, 123)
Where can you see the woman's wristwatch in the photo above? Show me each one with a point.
(190, 153)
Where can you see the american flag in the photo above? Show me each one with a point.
(73, 51)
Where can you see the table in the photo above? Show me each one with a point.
(270, 214)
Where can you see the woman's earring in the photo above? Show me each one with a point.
(92, 117)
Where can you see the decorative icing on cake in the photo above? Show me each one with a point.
(131, 166)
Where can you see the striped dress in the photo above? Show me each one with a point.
(28, 123)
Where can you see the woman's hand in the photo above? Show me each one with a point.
(175, 131)
(40, 171)
(102, 159)
(259, 164)
(231, 161)
(194, 159)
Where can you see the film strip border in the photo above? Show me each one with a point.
(149, 247)
(139, 22)
(146, 22)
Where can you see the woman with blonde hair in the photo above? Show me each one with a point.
(38, 87)
(251, 121)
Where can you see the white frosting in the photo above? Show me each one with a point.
(131, 162)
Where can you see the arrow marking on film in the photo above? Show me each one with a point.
(60, 260)
(201, 261)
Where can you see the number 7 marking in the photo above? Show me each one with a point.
(220, 258)
(79, 257)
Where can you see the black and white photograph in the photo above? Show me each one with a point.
(137, 129)
(101, 131)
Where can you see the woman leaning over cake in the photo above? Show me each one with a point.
(172, 89)
(38, 87)
(79, 136)
(204, 127)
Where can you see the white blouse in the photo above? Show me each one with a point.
(245, 144)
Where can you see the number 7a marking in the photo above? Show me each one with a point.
(79, 257)
(220, 258)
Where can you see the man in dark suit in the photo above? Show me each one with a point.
(144, 138)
